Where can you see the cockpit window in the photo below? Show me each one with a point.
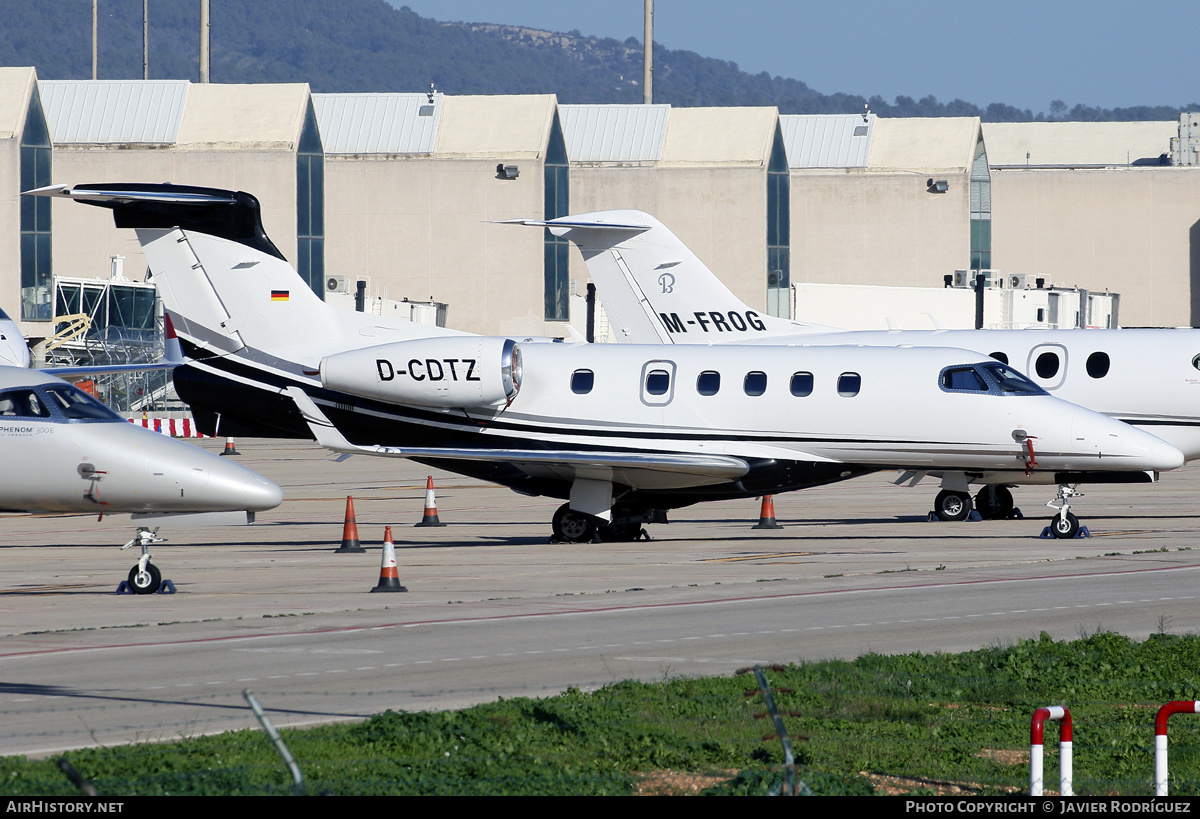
(57, 403)
(1009, 381)
(77, 405)
(22, 403)
(963, 379)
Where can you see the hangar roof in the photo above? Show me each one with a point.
(614, 133)
(263, 115)
(15, 87)
(827, 140)
(378, 123)
(119, 111)
(719, 136)
(509, 126)
(923, 144)
(1076, 144)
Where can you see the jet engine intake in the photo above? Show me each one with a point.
(459, 371)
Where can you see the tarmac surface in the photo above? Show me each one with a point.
(495, 609)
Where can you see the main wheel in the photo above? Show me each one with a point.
(146, 582)
(572, 526)
(950, 505)
(994, 502)
(1064, 528)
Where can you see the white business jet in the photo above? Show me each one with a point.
(655, 290)
(622, 433)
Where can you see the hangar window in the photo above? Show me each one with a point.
(582, 381)
(658, 382)
(1098, 364)
(849, 384)
(35, 151)
(708, 383)
(802, 384)
(999, 356)
(755, 383)
(1046, 365)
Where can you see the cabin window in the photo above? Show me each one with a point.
(708, 383)
(1098, 364)
(999, 356)
(658, 382)
(802, 384)
(582, 381)
(849, 384)
(1196, 362)
(755, 383)
(1046, 365)
(963, 379)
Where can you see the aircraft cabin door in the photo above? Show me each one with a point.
(658, 383)
(1047, 365)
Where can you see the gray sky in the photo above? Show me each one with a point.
(1103, 53)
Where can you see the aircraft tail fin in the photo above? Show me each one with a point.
(654, 289)
(224, 284)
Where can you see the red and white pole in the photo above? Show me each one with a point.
(1160, 739)
(1036, 745)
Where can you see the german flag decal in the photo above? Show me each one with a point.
(279, 295)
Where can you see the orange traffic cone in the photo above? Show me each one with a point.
(350, 531)
(389, 578)
(230, 449)
(431, 516)
(766, 517)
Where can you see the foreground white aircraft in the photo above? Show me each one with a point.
(656, 290)
(621, 432)
(64, 451)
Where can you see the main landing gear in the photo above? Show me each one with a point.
(144, 577)
(575, 527)
(993, 502)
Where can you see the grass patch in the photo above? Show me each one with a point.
(927, 721)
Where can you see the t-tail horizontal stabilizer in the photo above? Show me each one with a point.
(654, 289)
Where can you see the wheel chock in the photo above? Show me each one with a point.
(642, 535)
(1015, 514)
(166, 587)
(934, 518)
(1048, 535)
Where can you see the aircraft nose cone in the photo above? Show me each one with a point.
(1165, 456)
(236, 487)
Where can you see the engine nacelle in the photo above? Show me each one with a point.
(453, 371)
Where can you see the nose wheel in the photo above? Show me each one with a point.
(144, 577)
(1065, 525)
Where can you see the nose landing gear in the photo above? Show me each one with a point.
(1065, 525)
(144, 577)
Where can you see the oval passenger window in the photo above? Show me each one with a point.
(849, 384)
(755, 383)
(708, 382)
(999, 356)
(658, 382)
(1098, 364)
(802, 384)
(582, 381)
(1046, 365)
